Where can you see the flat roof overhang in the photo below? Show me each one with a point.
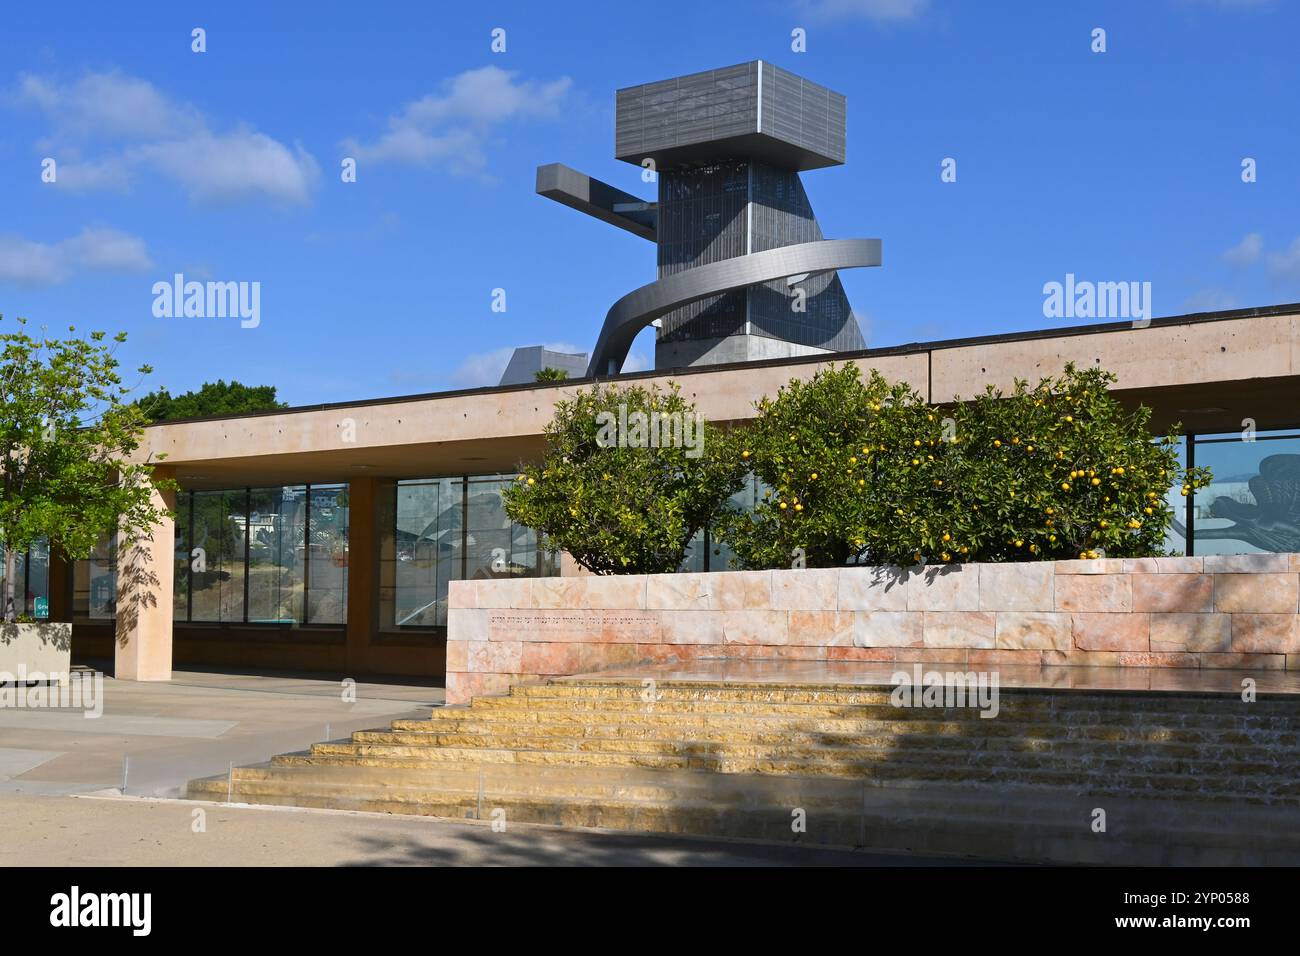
(1208, 371)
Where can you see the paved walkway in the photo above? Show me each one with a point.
(124, 831)
(160, 735)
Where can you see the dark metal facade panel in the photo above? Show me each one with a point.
(750, 111)
(730, 209)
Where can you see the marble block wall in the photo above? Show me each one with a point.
(1215, 611)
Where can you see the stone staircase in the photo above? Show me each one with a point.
(1182, 777)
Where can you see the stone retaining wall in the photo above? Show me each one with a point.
(1217, 611)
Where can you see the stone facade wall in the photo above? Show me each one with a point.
(1216, 611)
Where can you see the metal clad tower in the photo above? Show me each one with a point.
(727, 147)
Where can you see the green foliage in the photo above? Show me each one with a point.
(550, 374)
(869, 472)
(615, 507)
(67, 446)
(214, 398)
(805, 447)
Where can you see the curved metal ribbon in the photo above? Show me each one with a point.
(632, 313)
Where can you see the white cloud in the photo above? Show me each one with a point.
(1286, 264)
(142, 132)
(880, 11)
(482, 368)
(27, 262)
(452, 127)
(111, 105)
(1245, 252)
(637, 362)
(1210, 300)
(231, 166)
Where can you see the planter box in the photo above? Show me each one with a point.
(36, 650)
(1218, 611)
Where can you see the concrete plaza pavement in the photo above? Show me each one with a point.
(157, 736)
(123, 831)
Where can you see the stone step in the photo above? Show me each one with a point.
(593, 782)
(1011, 748)
(696, 726)
(990, 826)
(971, 761)
(576, 706)
(1011, 697)
(1261, 788)
(656, 785)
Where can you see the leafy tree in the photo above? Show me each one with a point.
(804, 447)
(212, 399)
(868, 472)
(550, 374)
(67, 443)
(616, 489)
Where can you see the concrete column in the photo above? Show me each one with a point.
(363, 571)
(145, 571)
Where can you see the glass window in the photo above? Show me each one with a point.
(219, 520)
(445, 529)
(94, 583)
(327, 555)
(1251, 505)
(31, 580)
(241, 555)
(697, 554)
(1176, 535)
(181, 559)
(36, 592)
(277, 554)
(495, 547)
(721, 557)
(420, 551)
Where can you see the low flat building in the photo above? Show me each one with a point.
(329, 533)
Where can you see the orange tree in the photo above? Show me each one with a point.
(808, 447)
(866, 471)
(629, 476)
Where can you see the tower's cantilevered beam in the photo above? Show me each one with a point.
(601, 200)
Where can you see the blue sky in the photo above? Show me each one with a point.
(225, 165)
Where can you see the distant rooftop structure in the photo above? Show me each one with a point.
(527, 361)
